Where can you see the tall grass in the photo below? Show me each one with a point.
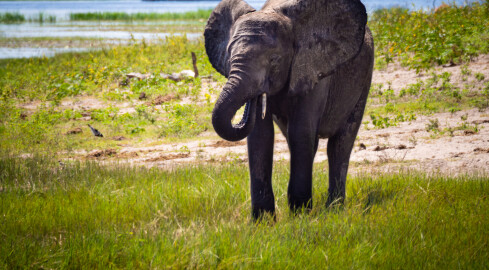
(15, 17)
(85, 215)
(421, 39)
(42, 18)
(11, 17)
(122, 16)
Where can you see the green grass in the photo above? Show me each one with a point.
(420, 39)
(433, 95)
(200, 14)
(103, 75)
(84, 215)
(400, 35)
(15, 17)
(11, 17)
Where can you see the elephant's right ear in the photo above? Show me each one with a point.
(217, 32)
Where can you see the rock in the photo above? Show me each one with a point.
(184, 74)
(174, 76)
(187, 73)
(138, 75)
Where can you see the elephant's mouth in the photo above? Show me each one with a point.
(247, 109)
(245, 116)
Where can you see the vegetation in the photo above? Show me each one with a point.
(59, 212)
(420, 39)
(102, 74)
(435, 94)
(15, 17)
(200, 14)
(85, 215)
(9, 17)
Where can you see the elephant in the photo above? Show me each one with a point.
(305, 65)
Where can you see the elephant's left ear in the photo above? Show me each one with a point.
(327, 34)
(217, 31)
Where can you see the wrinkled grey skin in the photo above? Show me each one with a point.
(314, 60)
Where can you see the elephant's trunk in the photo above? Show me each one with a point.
(233, 96)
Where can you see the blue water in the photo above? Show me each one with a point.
(62, 9)
(64, 28)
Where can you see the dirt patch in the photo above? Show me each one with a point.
(404, 147)
(227, 144)
(161, 99)
(102, 153)
(119, 138)
(168, 157)
(128, 155)
(480, 122)
(396, 77)
(479, 150)
(74, 131)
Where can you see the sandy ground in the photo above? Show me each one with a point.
(407, 146)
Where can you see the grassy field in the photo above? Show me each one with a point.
(49, 81)
(84, 215)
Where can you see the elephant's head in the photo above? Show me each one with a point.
(289, 44)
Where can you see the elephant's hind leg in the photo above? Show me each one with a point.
(339, 149)
(260, 157)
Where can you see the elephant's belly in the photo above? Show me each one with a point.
(329, 127)
(335, 116)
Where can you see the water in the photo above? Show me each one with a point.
(26, 30)
(63, 28)
(36, 52)
(62, 9)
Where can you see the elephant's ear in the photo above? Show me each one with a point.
(217, 31)
(327, 34)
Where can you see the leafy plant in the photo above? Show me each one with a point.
(433, 125)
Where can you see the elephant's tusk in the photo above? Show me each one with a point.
(263, 105)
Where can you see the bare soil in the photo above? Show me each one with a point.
(404, 147)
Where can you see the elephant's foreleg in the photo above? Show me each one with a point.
(339, 149)
(303, 142)
(260, 156)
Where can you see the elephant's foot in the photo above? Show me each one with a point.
(260, 214)
(297, 204)
(262, 206)
(335, 201)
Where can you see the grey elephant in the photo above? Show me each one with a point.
(305, 64)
